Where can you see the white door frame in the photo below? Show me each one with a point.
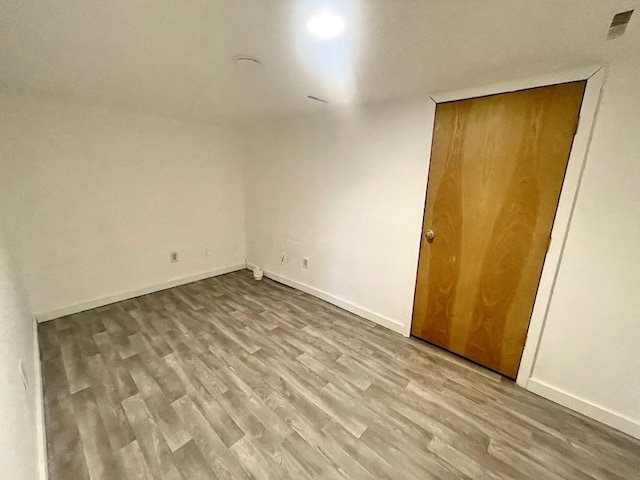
(595, 76)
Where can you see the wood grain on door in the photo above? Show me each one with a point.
(497, 167)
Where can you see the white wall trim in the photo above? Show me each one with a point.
(43, 468)
(432, 123)
(561, 224)
(589, 409)
(386, 322)
(565, 76)
(118, 297)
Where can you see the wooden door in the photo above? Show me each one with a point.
(497, 167)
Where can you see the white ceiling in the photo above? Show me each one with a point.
(175, 57)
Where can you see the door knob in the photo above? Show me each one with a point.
(429, 235)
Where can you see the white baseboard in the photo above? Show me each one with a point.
(338, 302)
(580, 405)
(39, 391)
(118, 297)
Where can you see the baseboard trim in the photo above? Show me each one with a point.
(118, 297)
(43, 467)
(337, 301)
(580, 405)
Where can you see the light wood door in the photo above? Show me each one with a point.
(497, 167)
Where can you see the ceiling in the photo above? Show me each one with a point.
(175, 57)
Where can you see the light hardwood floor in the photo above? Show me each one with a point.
(233, 378)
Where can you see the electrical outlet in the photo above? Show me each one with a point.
(206, 252)
(283, 258)
(173, 257)
(23, 374)
(305, 263)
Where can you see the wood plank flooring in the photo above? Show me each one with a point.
(236, 379)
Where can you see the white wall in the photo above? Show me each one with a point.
(589, 355)
(347, 191)
(20, 409)
(94, 200)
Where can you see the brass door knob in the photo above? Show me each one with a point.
(429, 235)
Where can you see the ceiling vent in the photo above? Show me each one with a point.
(245, 61)
(317, 99)
(619, 24)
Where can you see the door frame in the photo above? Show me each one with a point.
(595, 75)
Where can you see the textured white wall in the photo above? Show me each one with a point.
(590, 346)
(95, 200)
(347, 191)
(19, 417)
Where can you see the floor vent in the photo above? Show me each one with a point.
(619, 24)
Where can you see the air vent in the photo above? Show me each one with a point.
(317, 99)
(619, 24)
(245, 61)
